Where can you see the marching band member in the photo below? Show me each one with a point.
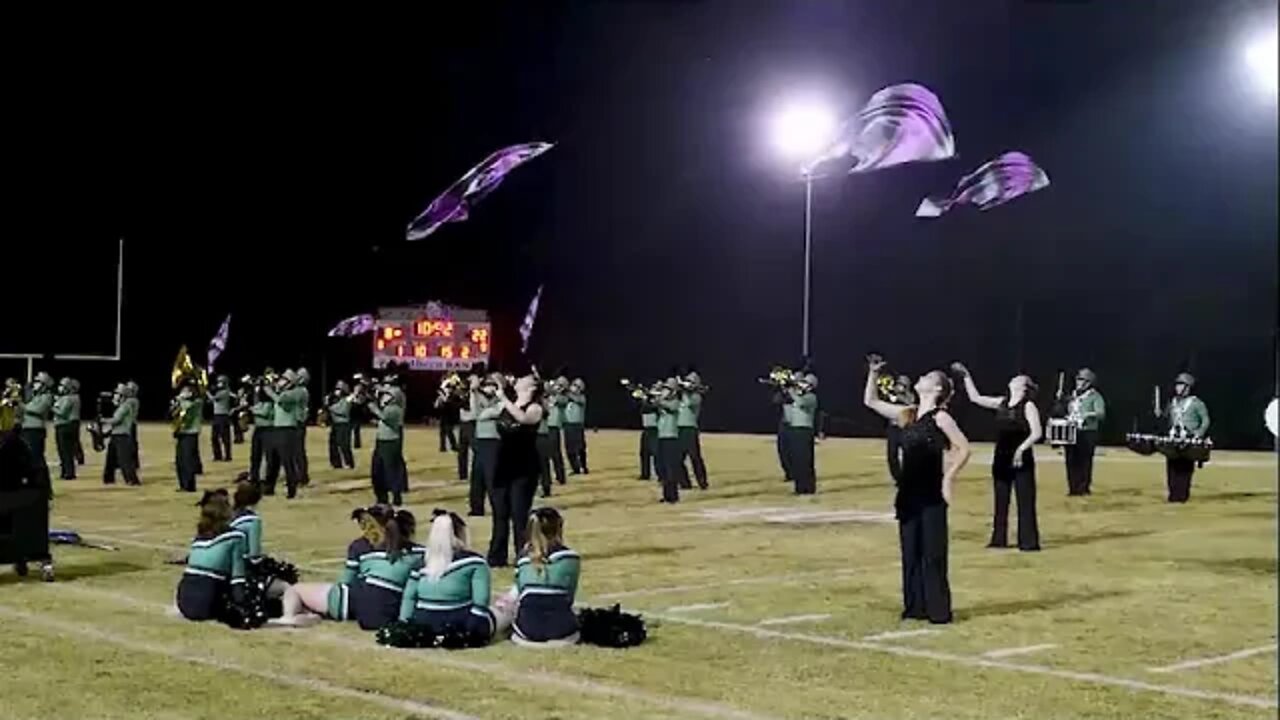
(122, 453)
(262, 443)
(64, 430)
(37, 410)
(1087, 410)
(392, 383)
(303, 413)
(76, 410)
(387, 465)
(453, 586)
(220, 430)
(338, 405)
(466, 426)
(547, 581)
(362, 390)
(554, 401)
(487, 407)
(242, 403)
(671, 470)
(515, 478)
(1187, 417)
(371, 586)
(446, 406)
(215, 564)
(691, 392)
(284, 433)
(134, 393)
(648, 438)
(801, 404)
(784, 418)
(187, 411)
(1013, 462)
(543, 445)
(930, 438)
(575, 418)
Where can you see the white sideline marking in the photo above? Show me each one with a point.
(173, 548)
(831, 516)
(697, 606)
(1011, 652)
(1191, 664)
(895, 634)
(794, 619)
(495, 670)
(78, 631)
(765, 579)
(731, 513)
(972, 661)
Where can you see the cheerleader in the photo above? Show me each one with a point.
(1013, 463)
(215, 565)
(276, 576)
(933, 452)
(452, 588)
(546, 581)
(371, 586)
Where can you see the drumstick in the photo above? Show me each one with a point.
(1157, 389)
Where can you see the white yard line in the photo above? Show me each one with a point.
(788, 620)
(79, 632)
(174, 548)
(1015, 651)
(697, 606)
(895, 634)
(1084, 677)
(1192, 664)
(763, 579)
(524, 678)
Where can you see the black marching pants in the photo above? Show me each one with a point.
(511, 503)
(691, 448)
(187, 460)
(1079, 461)
(784, 458)
(466, 439)
(482, 473)
(926, 593)
(387, 472)
(257, 451)
(557, 454)
(279, 445)
(65, 439)
(799, 448)
(137, 459)
(355, 427)
(300, 455)
(648, 452)
(221, 436)
(340, 454)
(671, 469)
(120, 454)
(237, 433)
(447, 439)
(1022, 483)
(575, 446)
(544, 463)
(79, 449)
(1178, 474)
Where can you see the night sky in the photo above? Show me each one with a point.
(268, 169)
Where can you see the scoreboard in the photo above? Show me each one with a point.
(431, 337)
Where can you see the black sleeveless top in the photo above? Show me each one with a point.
(1011, 429)
(518, 452)
(920, 484)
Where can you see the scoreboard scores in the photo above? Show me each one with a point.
(433, 337)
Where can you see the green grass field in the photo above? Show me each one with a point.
(759, 605)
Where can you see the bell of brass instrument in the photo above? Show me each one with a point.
(186, 371)
(10, 400)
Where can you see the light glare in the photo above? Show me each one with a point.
(1260, 56)
(803, 130)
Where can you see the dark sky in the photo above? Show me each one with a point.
(268, 169)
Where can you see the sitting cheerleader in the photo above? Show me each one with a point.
(215, 565)
(546, 579)
(370, 589)
(450, 595)
(274, 576)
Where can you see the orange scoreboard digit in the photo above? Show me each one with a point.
(431, 337)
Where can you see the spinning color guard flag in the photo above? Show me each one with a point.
(899, 124)
(995, 183)
(526, 327)
(454, 204)
(219, 341)
(352, 326)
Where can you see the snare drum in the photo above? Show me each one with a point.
(1062, 431)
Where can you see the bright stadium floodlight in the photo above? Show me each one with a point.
(1260, 57)
(802, 130)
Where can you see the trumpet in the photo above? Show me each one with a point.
(693, 387)
(643, 393)
(781, 378)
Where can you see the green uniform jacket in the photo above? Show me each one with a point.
(124, 417)
(372, 566)
(555, 411)
(192, 411)
(1191, 413)
(690, 408)
(220, 557)
(303, 408)
(1092, 409)
(649, 419)
(75, 407)
(37, 411)
(487, 410)
(560, 573)
(464, 583)
(62, 410)
(286, 410)
(264, 414)
(802, 409)
(340, 412)
(390, 421)
(465, 414)
(575, 411)
(668, 427)
(249, 523)
(221, 400)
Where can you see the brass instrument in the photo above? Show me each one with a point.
(186, 371)
(693, 387)
(644, 393)
(10, 401)
(781, 378)
(452, 387)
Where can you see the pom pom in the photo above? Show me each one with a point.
(401, 634)
(244, 608)
(611, 627)
(268, 568)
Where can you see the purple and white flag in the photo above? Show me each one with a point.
(454, 204)
(526, 327)
(899, 124)
(354, 325)
(1011, 175)
(219, 341)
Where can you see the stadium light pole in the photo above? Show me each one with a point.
(802, 131)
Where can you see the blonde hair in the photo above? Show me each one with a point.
(444, 539)
(546, 530)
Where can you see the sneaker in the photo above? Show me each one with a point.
(46, 572)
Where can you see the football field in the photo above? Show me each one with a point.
(760, 604)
